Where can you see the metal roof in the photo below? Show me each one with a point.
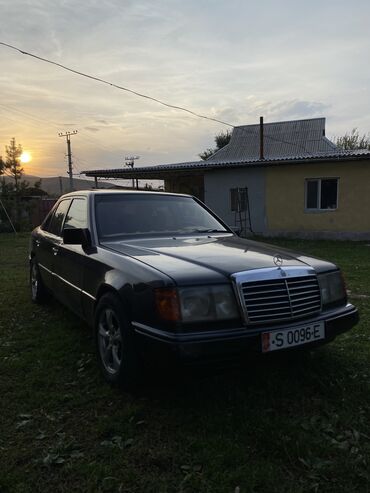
(284, 142)
(280, 139)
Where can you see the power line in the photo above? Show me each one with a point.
(106, 148)
(98, 79)
(32, 117)
(50, 122)
(76, 166)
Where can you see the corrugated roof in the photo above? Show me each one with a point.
(284, 142)
(161, 170)
(280, 139)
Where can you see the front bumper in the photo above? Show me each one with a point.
(230, 344)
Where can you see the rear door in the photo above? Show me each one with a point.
(70, 259)
(48, 241)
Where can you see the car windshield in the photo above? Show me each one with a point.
(151, 214)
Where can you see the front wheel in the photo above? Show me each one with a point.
(117, 356)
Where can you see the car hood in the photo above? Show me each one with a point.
(187, 258)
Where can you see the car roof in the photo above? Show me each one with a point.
(101, 191)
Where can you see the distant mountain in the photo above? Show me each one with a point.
(57, 185)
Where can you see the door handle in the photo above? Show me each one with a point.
(55, 250)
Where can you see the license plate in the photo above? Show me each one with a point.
(297, 336)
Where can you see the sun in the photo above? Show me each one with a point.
(26, 157)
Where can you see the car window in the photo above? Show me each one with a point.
(46, 224)
(77, 215)
(54, 226)
(152, 214)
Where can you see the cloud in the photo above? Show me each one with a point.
(235, 62)
(249, 109)
(92, 129)
(296, 109)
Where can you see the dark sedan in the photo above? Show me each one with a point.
(162, 279)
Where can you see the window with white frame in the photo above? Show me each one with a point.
(321, 194)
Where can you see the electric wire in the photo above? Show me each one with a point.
(51, 123)
(122, 88)
(32, 117)
(97, 79)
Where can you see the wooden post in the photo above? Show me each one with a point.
(261, 139)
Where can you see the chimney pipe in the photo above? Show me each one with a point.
(261, 138)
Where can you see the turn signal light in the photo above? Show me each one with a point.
(167, 303)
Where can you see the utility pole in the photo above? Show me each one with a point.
(67, 135)
(130, 161)
(262, 153)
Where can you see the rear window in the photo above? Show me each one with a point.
(77, 215)
(54, 221)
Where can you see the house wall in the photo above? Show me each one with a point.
(285, 200)
(217, 185)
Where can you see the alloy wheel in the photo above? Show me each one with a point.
(110, 341)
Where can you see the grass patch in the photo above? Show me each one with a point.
(278, 426)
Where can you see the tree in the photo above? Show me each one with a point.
(13, 162)
(353, 140)
(11, 192)
(221, 139)
(17, 196)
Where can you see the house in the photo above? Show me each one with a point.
(274, 179)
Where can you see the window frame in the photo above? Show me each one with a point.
(69, 208)
(51, 216)
(318, 208)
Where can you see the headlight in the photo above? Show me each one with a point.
(196, 304)
(207, 303)
(332, 287)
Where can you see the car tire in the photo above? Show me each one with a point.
(39, 293)
(115, 345)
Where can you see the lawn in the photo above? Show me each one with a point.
(276, 426)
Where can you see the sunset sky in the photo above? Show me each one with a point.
(232, 60)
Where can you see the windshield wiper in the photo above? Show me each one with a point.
(210, 230)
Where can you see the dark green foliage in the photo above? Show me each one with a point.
(12, 161)
(19, 204)
(221, 139)
(15, 195)
(281, 425)
(353, 140)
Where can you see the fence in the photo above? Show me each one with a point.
(26, 215)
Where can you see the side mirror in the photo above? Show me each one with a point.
(77, 236)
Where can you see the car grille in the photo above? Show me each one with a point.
(271, 300)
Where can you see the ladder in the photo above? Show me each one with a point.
(241, 208)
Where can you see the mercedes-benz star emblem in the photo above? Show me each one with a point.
(278, 261)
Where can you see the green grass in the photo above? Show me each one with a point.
(277, 426)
